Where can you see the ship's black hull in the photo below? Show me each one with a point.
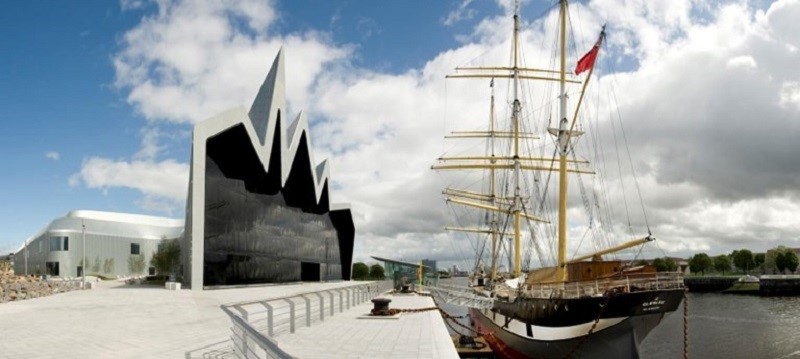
(561, 312)
(555, 333)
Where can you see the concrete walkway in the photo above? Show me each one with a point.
(119, 321)
(349, 335)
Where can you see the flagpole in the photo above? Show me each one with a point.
(586, 83)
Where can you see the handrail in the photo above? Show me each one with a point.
(297, 294)
(262, 341)
(246, 321)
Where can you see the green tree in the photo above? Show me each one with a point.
(167, 257)
(671, 265)
(760, 259)
(780, 261)
(722, 263)
(791, 260)
(641, 262)
(136, 264)
(96, 265)
(743, 259)
(360, 271)
(699, 263)
(660, 264)
(376, 272)
(108, 265)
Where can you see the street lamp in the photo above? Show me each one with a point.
(83, 264)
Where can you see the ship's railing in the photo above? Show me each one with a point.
(624, 283)
(256, 324)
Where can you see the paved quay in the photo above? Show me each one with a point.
(120, 321)
(411, 335)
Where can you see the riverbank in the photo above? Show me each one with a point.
(766, 285)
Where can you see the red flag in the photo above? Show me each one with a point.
(587, 61)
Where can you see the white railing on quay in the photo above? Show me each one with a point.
(256, 324)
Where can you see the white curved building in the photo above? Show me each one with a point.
(112, 241)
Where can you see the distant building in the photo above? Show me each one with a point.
(111, 240)
(683, 264)
(406, 272)
(430, 263)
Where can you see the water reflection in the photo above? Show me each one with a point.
(729, 326)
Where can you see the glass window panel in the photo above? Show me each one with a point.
(257, 238)
(55, 244)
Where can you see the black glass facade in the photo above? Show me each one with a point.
(258, 232)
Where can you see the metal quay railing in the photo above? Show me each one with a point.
(256, 324)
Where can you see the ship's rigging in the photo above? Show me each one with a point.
(517, 174)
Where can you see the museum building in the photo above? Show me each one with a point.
(258, 209)
(117, 244)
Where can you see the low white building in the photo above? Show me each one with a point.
(115, 243)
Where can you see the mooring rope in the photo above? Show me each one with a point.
(685, 324)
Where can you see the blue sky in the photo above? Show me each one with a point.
(58, 92)
(97, 100)
(57, 95)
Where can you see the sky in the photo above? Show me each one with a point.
(98, 99)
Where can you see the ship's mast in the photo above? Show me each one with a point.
(514, 205)
(517, 164)
(563, 146)
(494, 226)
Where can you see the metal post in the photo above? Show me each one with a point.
(308, 309)
(291, 315)
(83, 264)
(270, 331)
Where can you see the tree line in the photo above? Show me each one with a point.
(363, 272)
(776, 261)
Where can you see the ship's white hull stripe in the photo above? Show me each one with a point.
(551, 333)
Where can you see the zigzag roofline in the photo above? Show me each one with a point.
(267, 113)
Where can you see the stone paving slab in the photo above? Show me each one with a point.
(413, 335)
(120, 321)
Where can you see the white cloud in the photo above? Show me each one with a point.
(131, 4)
(53, 155)
(149, 144)
(166, 179)
(709, 106)
(193, 59)
(462, 12)
(743, 62)
(790, 94)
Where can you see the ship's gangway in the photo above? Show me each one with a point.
(462, 296)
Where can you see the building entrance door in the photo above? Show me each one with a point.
(309, 272)
(52, 268)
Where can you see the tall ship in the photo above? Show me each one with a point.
(527, 295)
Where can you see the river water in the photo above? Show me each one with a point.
(720, 326)
(730, 326)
